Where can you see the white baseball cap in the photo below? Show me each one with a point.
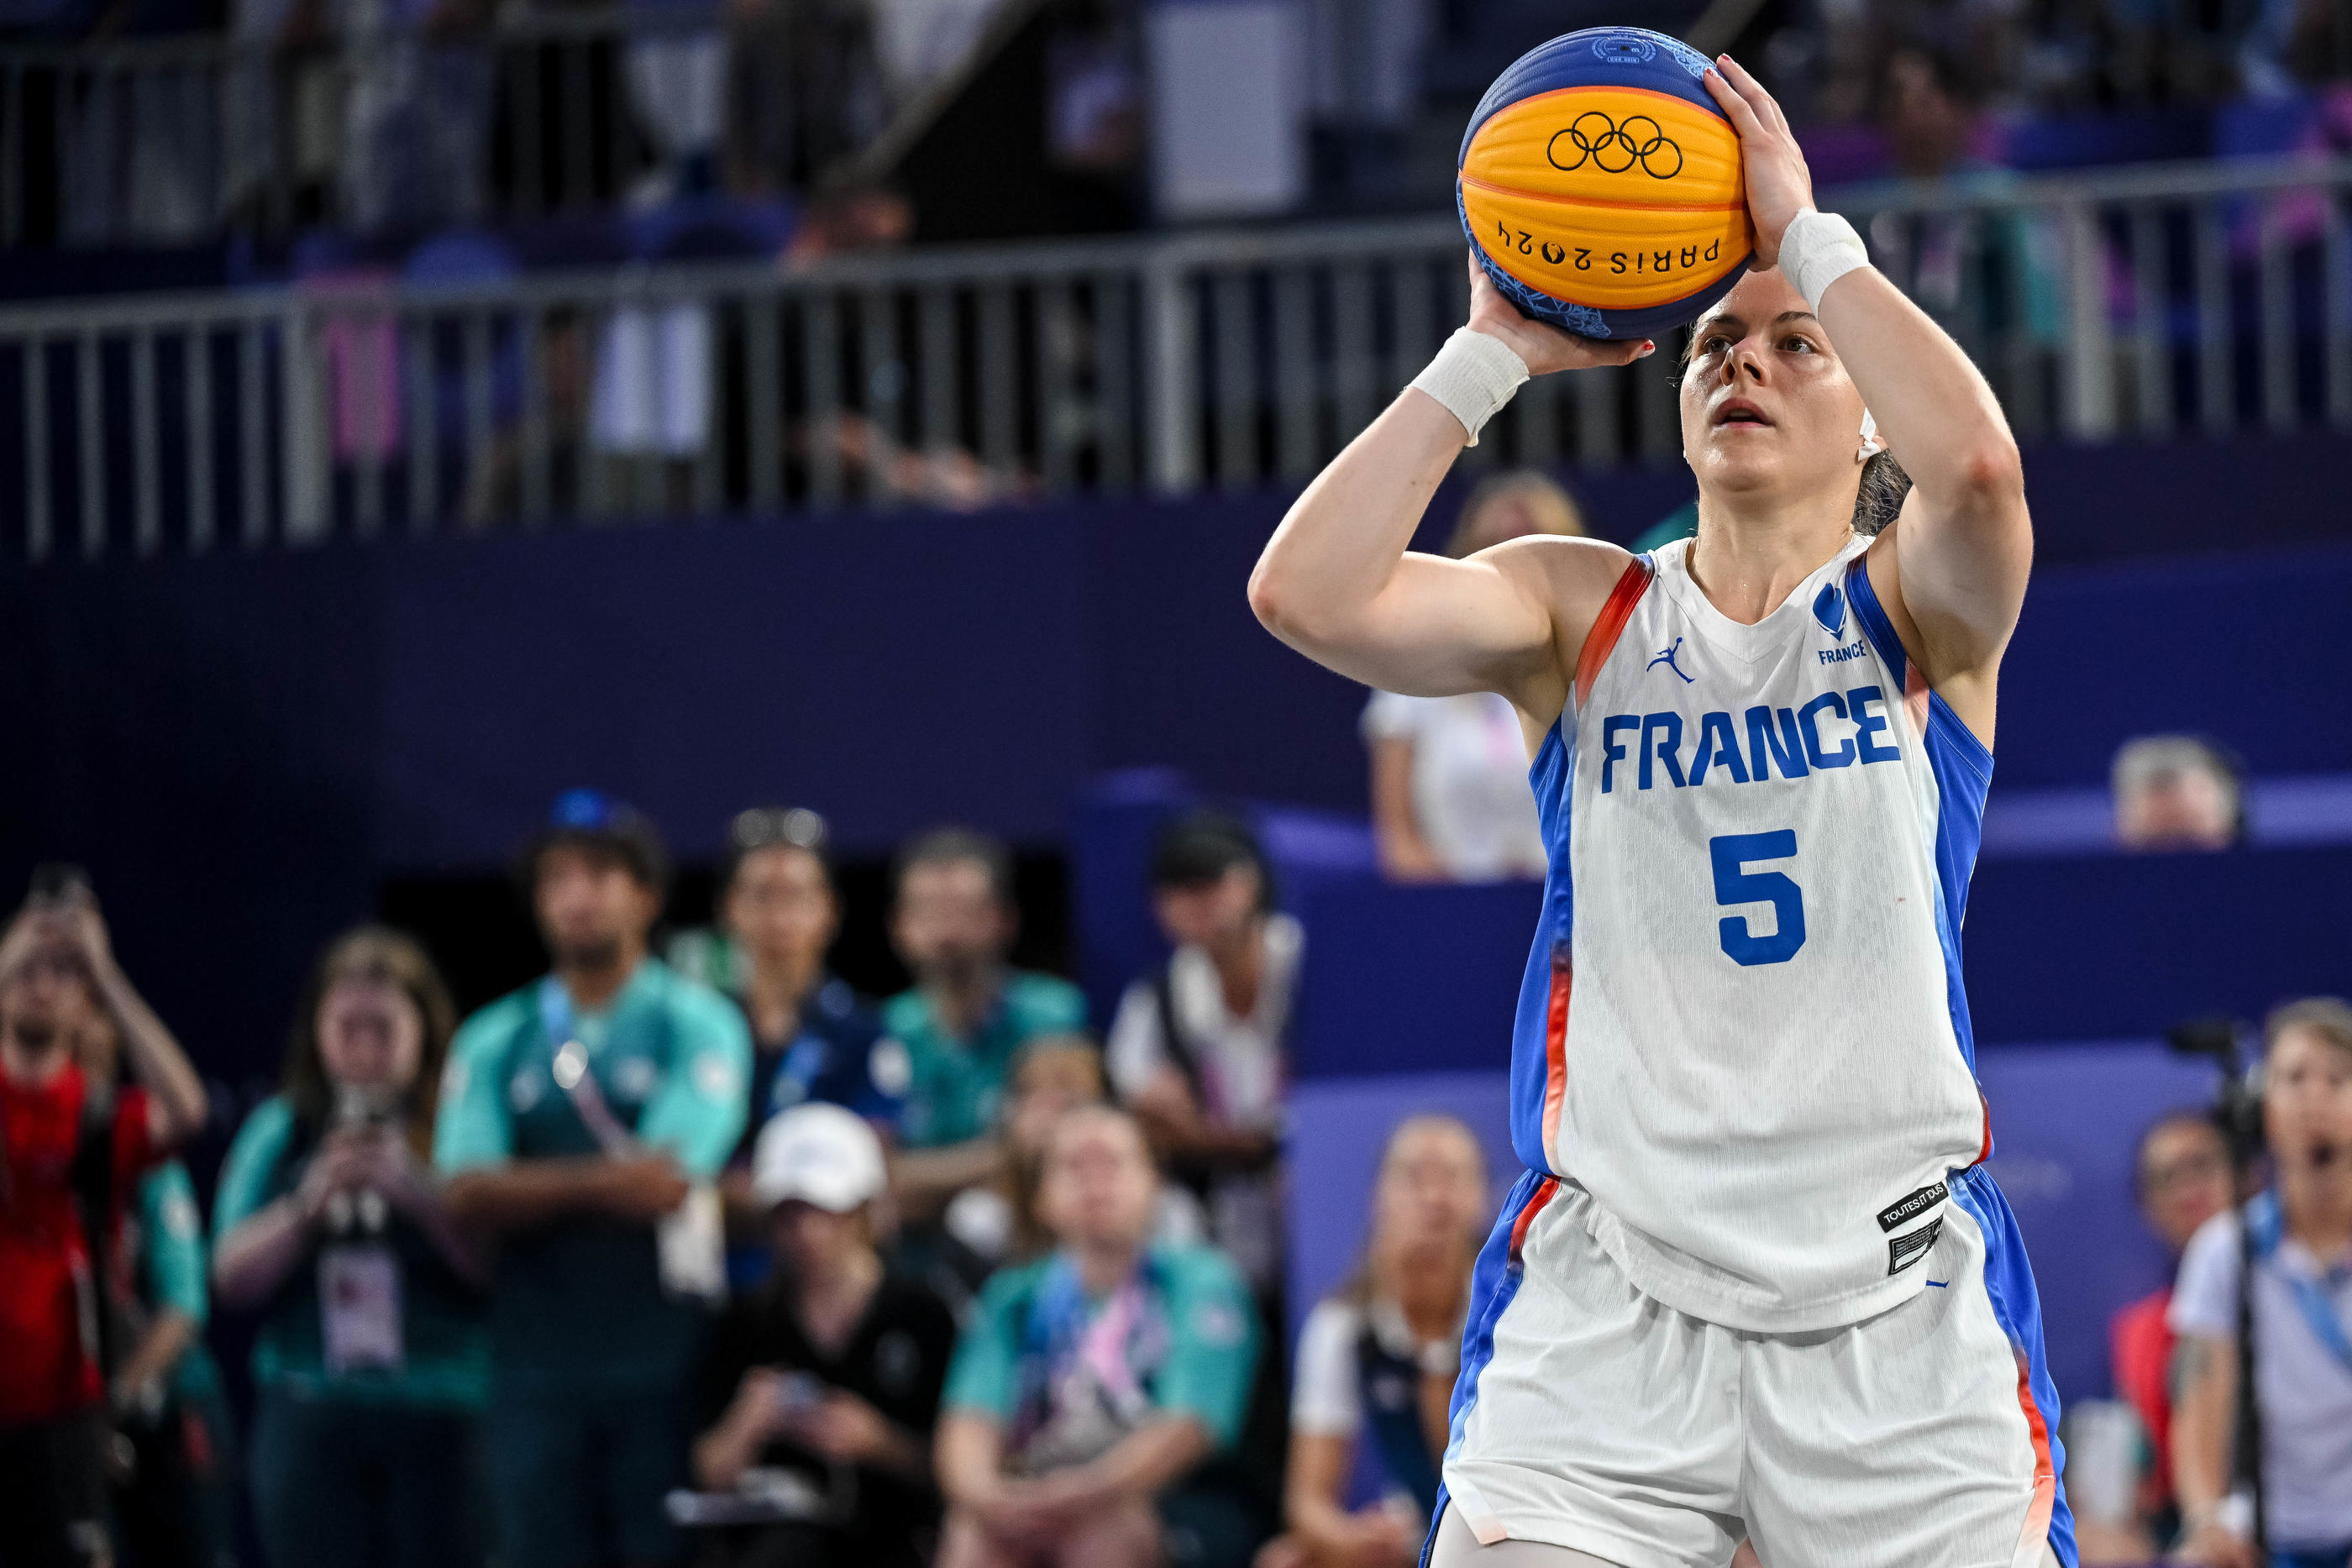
(819, 1154)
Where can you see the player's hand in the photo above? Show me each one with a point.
(1779, 186)
(1545, 349)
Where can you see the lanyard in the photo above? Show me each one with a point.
(2311, 1298)
(572, 1074)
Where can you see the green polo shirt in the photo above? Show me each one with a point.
(172, 1267)
(444, 1359)
(957, 1082)
(580, 1302)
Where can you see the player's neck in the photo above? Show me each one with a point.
(1752, 551)
(2317, 1204)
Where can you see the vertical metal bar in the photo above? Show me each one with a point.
(2275, 302)
(14, 157)
(146, 460)
(763, 376)
(1598, 438)
(596, 465)
(252, 434)
(301, 428)
(1352, 351)
(821, 375)
(1656, 404)
(2151, 304)
(1114, 385)
(2090, 363)
(1294, 372)
(2335, 308)
(579, 137)
(90, 440)
(1411, 338)
(647, 469)
(2215, 383)
(536, 457)
(936, 346)
(39, 521)
(1000, 379)
(1061, 420)
(1172, 409)
(1536, 411)
(196, 389)
(530, 158)
(706, 484)
(481, 431)
(424, 382)
(1237, 400)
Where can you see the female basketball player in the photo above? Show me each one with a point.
(1755, 1279)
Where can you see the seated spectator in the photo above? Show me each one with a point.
(172, 1502)
(2177, 792)
(2303, 1319)
(2182, 1180)
(832, 1366)
(997, 1221)
(1378, 1357)
(1198, 1051)
(812, 1038)
(1089, 1384)
(72, 1151)
(1450, 796)
(952, 921)
(370, 1364)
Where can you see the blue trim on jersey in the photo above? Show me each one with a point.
(1963, 772)
(1552, 777)
(2017, 1307)
(1494, 1282)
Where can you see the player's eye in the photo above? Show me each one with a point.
(1795, 344)
(1714, 343)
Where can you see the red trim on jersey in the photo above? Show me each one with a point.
(2036, 1531)
(1610, 624)
(1545, 1191)
(1555, 1055)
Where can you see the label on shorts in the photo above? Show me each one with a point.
(1901, 1213)
(1906, 1250)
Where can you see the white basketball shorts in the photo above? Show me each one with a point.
(1590, 1416)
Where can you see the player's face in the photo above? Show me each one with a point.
(2184, 1179)
(1767, 406)
(1099, 1183)
(781, 907)
(2307, 1102)
(371, 1035)
(947, 917)
(591, 906)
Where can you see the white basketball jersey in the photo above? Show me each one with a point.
(1743, 1030)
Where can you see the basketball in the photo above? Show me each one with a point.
(1602, 185)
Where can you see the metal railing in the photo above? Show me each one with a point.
(2160, 301)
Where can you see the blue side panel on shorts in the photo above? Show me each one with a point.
(2017, 1307)
(1494, 1280)
(1963, 770)
(1551, 777)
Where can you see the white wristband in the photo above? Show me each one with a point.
(1473, 376)
(1818, 249)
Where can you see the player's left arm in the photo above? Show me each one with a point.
(1951, 571)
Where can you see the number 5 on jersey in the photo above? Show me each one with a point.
(1735, 884)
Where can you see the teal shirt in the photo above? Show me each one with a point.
(445, 1343)
(957, 1082)
(172, 1267)
(1191, 1351)
(580, 1302)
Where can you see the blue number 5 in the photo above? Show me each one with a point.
(1734, 883)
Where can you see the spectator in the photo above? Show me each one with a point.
(2302, 1318)
(1198, 1051)
(2182, 1180)
(1090, 1383)
(953, 920)
(997, 1221)
(71, 1159)
(1378, 1357)
(584, 1117)
(832, 1370)
(172, 1502)
(2177, 792)
(812, 1038)
(370, 1364)
(1450, 796)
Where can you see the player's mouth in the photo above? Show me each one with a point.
(1734, 411)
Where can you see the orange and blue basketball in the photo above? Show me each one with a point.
(1602, 185)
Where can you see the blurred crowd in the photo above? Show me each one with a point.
(686, 1252)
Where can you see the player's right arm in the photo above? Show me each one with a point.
(1338, 583)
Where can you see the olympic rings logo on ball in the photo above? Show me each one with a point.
(1614, 149)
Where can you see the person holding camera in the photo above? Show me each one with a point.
(370, 1364)
(2302, 1235)
(831, 1372)
(72, 1149)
